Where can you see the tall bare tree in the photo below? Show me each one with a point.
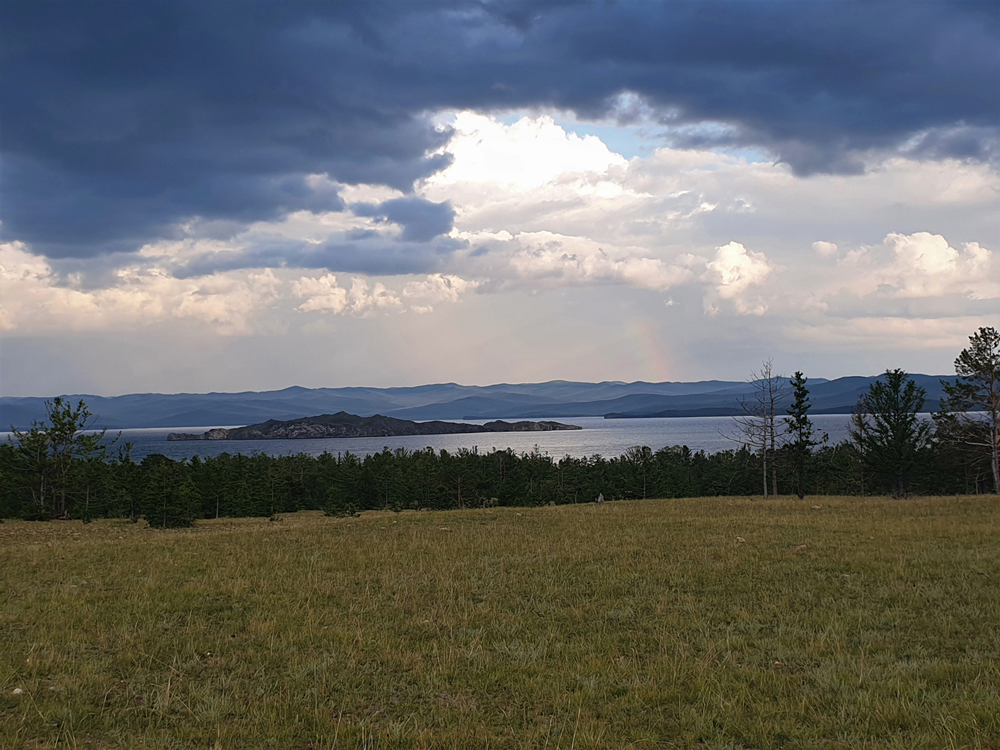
(758, 426)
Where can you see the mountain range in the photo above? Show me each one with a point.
(557, 398)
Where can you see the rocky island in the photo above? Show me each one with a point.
(344, 425)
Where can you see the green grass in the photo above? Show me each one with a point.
(715, 623)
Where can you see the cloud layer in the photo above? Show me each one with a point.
(581, 215)
(493, 190)
(123, 121)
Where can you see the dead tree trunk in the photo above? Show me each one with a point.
(757, 427)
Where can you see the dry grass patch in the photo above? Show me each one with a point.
(687, 623)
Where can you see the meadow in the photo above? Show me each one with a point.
(698, 623)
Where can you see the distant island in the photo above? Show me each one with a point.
(344, 425)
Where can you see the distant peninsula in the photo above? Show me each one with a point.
(344, 425)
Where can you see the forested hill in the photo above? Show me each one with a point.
(342, 425)
(554, 399)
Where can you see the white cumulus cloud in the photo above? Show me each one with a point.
(436, 288)
(732, 273)
(326, 295)
(557, 260)
(925, 265)
(33, 298)
(921, 265)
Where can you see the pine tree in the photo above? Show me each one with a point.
(170, 499)
(48, 457)
(888, 433)
(970, 413)
(800, 428)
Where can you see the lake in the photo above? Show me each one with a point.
(606, 437)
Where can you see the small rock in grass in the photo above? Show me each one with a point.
(18, 691)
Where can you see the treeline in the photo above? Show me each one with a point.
(56, 470)
(176, 493)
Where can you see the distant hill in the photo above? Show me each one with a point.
(826, 397)
(557, 398)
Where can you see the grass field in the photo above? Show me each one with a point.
(712, 623)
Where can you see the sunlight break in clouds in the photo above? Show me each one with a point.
(524, 155)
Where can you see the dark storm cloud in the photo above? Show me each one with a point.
(421, 220)
(981, 144)
(120, 120)
(370, 253)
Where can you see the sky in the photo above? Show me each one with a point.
(227, 196)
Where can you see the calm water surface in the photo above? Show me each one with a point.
(606, 437)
